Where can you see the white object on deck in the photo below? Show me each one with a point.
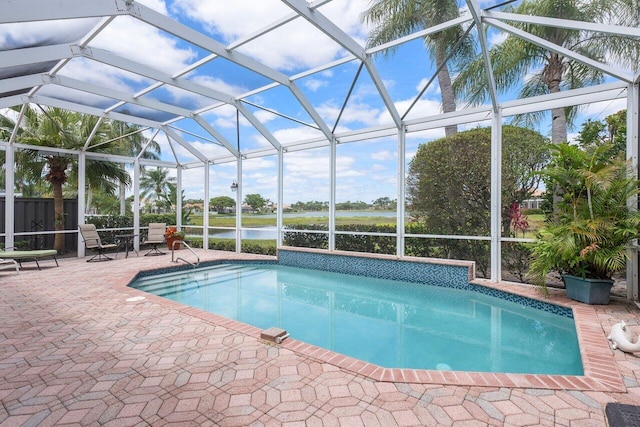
(622, 338)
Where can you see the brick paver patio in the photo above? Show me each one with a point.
(75, 349)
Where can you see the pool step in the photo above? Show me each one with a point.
(166, 277)
(167, 284)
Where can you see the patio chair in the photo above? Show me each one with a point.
(92, 241)
(155, 237)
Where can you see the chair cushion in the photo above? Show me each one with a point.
(28, 254)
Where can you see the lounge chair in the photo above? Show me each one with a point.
(155, 237)
(92, 241)
(22, 256)
(9, 263)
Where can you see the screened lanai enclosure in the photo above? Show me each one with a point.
(321, 101)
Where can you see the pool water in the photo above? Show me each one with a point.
(389, 323)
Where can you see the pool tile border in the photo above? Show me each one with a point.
(600, 370)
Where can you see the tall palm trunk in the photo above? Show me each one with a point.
(552, 76)
(58, 214)
(446, 89)
(57, 176)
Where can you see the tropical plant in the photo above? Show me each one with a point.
(593, 226)
(397, 18)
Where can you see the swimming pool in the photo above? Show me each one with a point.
(389, 323)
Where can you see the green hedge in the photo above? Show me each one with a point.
(261, 247)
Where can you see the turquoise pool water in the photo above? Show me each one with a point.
(390, 323)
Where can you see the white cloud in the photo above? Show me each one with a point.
(312, 164)
(300, 133)
(137, 41)
(259, 164)
(346, 15)
(264, 116)
(315, 84)
(220, 85)
(102, 75)
(422, 108)
(354, 112)
(219, 17)
(209, 149)
(600, 110)
(286, 48)
(433, 89)
(383, 155)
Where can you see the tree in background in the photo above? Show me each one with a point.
(154, 183)
(129, 141)
(612, 131)
(384, 204)
(222, 203)
(313, 206)
(449, 183)
(352, 206)
(256, 201)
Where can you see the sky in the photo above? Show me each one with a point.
(366, 170)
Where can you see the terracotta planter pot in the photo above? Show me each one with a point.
(588, 291)
(170, 241)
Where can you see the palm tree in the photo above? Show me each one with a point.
(397, 18)
(155, 182)
(54, 127)
(543, 71)
(622, 50)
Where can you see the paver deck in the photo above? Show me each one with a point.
(77, 349)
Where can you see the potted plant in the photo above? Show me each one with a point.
(172, 234)
(587, 237)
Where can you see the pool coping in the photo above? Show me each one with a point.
(599, 366)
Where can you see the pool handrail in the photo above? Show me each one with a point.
(182, 242)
